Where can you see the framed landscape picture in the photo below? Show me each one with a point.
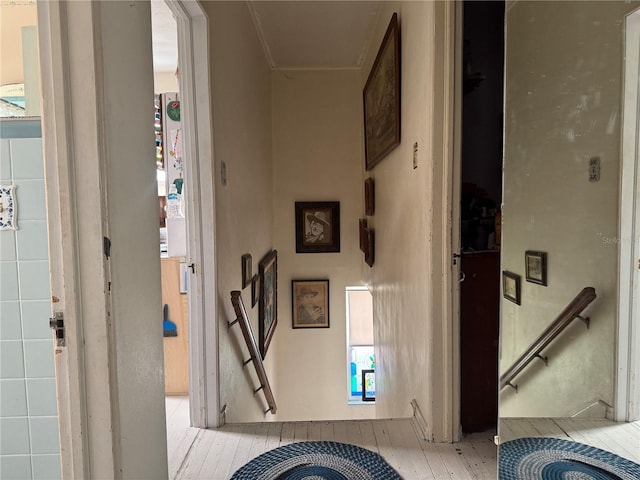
(536, 267)
(381, 99)
(511, 287)
(268, 308)
(310, 303)
(317, 227)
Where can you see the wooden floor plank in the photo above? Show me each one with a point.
(327, 433)
(340, 432)
(300, 431)
(314, 432)
(368, 436)
(287, 434)
(412, 462)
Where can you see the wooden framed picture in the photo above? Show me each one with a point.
(381, 98)
(255, 290)
(368, 385)
(268, 308)
(369, 246)
(317, 227)
(310, 303)
(369, 197)
(246, 270)
(536, 267)
(511, 287)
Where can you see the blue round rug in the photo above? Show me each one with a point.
(552, 458)
(317, 461)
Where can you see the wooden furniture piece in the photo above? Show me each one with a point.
(176, 349)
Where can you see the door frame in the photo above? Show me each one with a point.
(193, 64)
(627, 394)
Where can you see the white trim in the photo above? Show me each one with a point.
(627, 398)
(193, 46)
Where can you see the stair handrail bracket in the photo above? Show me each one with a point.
(571, 312)
(247, 332)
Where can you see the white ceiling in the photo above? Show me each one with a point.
(295, 34)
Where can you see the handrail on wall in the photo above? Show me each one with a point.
(571, 312)
(256, 358)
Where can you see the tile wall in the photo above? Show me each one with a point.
(29, 442)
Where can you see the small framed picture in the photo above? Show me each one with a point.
(246, 270)
(255, 290)
(317, 227)
(511, 287)
(368, 385)
(369, 246)
(310, 303)
(268, 304)
(369, 197)
(363, 233)
(536, 267)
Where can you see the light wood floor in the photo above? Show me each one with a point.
(216, 453)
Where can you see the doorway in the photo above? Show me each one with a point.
(480, 205)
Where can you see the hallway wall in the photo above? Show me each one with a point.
(29, 447)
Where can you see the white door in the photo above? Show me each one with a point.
(627, 406)
(97, 87)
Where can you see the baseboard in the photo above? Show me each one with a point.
(597, 409)
(420, 422)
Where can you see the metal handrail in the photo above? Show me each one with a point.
(570, 313)
(256, 358)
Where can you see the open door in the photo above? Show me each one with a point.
(101, 198)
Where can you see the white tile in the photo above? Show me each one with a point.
(30, 200)
(8, 245)
(13, 398)
(46, 467)
(41, 397)
(44, 435)
(34, 280)
(26, 158)
(11, 359)
(10, 328)
(15, 467)
(5, 162)
(8, 281)
(35, 319)
(32, 241)
(14, 436)
(38, 358)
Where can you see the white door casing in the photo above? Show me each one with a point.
(96, 104)
(627, 403)
(193, 58)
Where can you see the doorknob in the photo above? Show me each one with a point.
(462, 276)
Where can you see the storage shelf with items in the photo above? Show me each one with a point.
(158, 131)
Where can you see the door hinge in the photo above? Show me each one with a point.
(57, 325)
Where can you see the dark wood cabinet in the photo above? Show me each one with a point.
(479, 325)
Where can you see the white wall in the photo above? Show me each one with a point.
(399, 279)
(241, 98)
(164, 82)
(563, 98)
(317, 149)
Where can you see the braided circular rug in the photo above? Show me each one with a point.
(552, 458)
(317, 461)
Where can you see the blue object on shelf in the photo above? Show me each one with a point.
(168, 327)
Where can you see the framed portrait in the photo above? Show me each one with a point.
(268, 303)
(310, 303)
(381, 98)
(246, 270)
(536, 267)
(368, 385)
(511, 287)
(255, 290)
(317, 227)
(369, 197)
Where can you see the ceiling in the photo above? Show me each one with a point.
(294, 34)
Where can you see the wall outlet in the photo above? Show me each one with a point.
(415, 155)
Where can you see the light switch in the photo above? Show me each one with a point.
(415, 155)
(594, 169)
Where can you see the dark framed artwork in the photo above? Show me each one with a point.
(268, 308)
(368, 385)
(369, 197)
(536, 267)
(317, 227)
(369, 246)
(255, 290)
(310, 303)
(511, 287)
(246, 270)
(381, 98)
